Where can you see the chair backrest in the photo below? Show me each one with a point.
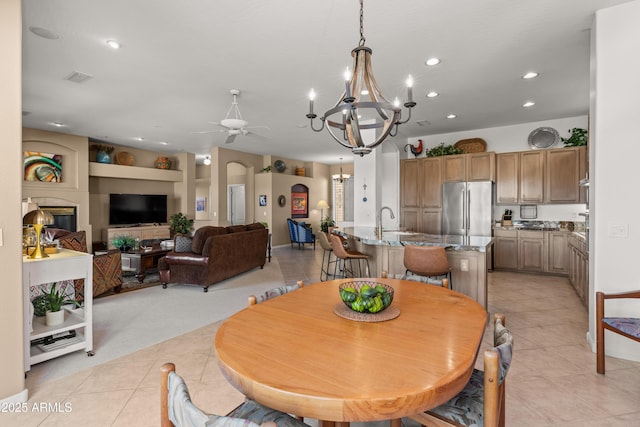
(293, 229)
(426, 260)
(177, 409)
(274, 292)
(497, 362)
(324, 241)
(338, 247)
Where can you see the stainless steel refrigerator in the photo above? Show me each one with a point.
(467, 208)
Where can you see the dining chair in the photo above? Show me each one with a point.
(426, 264)
(274, 292)
(482, 401)
(327, 253)
(348, 257)
(178, 410)
(628, 327)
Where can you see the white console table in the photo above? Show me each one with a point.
(65, 265)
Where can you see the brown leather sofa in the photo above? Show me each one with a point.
(107, 267)
(214, 254)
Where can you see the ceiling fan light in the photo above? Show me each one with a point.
(234, 123)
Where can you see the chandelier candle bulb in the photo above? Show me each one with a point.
(347, 83)
(409, 89)
(312, 96)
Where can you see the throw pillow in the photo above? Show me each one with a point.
(182, 244)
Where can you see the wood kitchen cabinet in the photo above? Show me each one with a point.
(507, 178)
(531, 175)
(531, 251)
(541, 176)
(469, 167)
(505, 249)
(563, 173)
(579, 267)
(421, 194)
(558, 252)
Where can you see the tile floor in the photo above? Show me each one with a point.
(552, 381)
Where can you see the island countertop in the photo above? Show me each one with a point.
(367, 235)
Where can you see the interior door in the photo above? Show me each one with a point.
(236, 204)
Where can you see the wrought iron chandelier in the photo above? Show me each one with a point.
(343, 176)
(363, 113)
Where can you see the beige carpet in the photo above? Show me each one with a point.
(127, 322)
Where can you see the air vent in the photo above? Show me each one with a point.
(423, 122)
(78, 77)
(25, 113)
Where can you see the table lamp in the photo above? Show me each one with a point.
(38, 218)
(322, 205)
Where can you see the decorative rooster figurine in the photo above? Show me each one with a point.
(415, 150)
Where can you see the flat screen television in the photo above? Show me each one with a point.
(133, 209)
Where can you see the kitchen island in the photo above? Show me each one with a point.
(469, 256)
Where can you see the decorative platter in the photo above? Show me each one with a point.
(124, 158)
(472, 145)
(543, 137)
(279, 166)
(282, 200)
(345, 312)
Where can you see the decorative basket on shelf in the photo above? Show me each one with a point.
(471, 145)
(124, 158)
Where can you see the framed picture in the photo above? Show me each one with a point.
(201, 204)
(263, 200)
(42, 167)
(299, 205)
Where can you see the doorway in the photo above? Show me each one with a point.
(236, 204)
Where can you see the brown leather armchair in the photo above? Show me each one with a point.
(107, 267)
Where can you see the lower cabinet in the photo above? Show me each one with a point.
(579, 268)
(531, 251)
(141, 233)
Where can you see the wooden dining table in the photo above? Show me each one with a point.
(295, 354)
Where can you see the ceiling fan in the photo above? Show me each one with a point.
(233, 124)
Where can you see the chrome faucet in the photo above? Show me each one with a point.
(379, 219)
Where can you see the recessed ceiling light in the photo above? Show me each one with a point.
(528, 104)
(530, 75)
(432, 61)
(57, 124)
(114, 44)
(163, 143)
(451, 116)
(44, 33)
(138, 138)
(432, 94)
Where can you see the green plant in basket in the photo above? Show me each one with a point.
(366, 297)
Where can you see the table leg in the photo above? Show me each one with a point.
(140, 276)
(396, 422)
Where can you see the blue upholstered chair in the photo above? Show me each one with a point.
(300, 233)
(482, 401)
(177, 409)
(628, 327)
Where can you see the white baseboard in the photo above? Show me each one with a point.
(21, 397)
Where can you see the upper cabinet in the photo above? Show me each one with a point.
(541, 176)
(469, 167)
(421, 194)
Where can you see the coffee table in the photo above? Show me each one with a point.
(295, 354)
(142, 260)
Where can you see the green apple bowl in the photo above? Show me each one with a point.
(365, 296)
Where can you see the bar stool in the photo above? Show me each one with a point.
(347, 258)
(427, 263)
(327, 252)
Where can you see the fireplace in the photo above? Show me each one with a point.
(63, 216)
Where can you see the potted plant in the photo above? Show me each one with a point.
(124, 243)
(104, 152)
(577, 138)
(443, 150)
(54, 300)
(180, 224)
(327, 222)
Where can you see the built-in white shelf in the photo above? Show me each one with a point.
(106, 170)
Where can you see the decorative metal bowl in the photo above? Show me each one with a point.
(365, 296)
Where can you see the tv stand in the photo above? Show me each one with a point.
(137, 231)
